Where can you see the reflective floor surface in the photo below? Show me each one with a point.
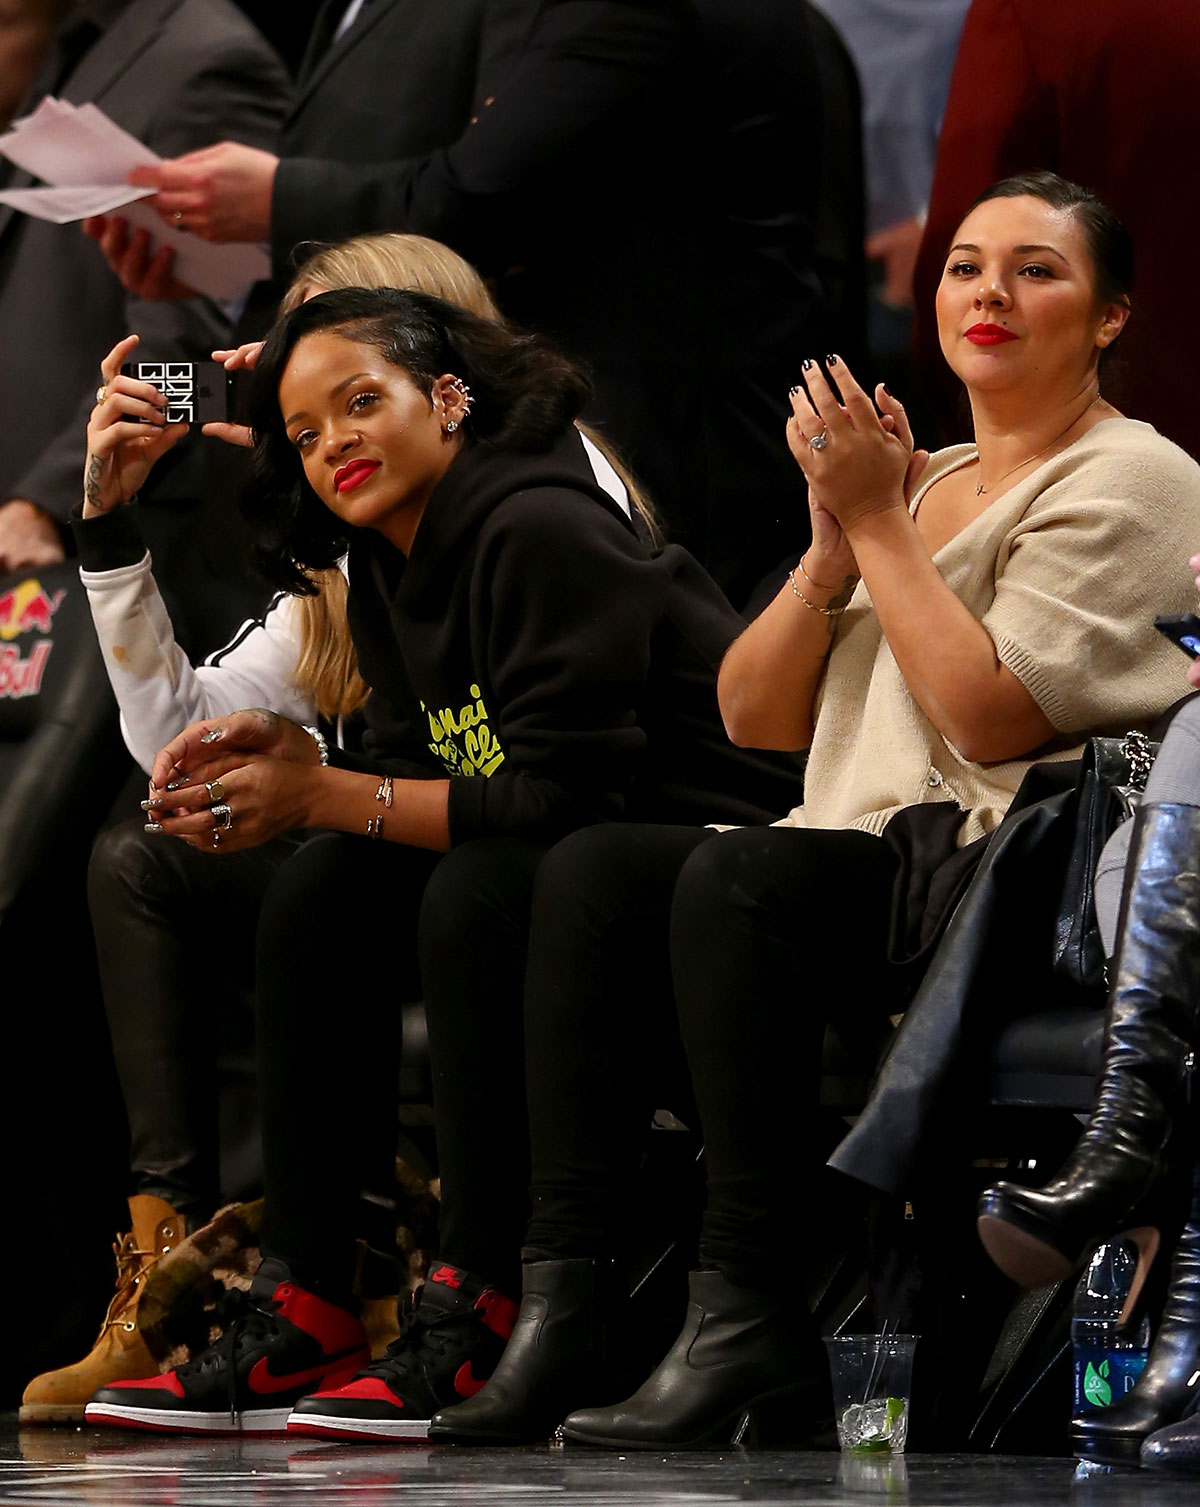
(78, 1466)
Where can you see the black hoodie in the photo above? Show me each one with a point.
(533, 647)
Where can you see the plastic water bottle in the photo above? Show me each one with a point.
(1107, 1362)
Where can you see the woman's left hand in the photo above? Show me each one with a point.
(263, 797)
(862, 466)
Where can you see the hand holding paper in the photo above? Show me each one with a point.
(86, 160)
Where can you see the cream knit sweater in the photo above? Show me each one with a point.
(1066, 571)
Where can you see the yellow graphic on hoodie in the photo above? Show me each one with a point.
(463, 740)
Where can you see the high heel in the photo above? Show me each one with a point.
(1038, 1236)
(746, 1369)
(1114, 1435)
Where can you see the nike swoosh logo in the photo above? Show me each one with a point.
(466, 1383)
(262, 1380)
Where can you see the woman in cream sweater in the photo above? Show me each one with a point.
(956, 618)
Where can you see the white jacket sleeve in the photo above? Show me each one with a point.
(157, 689)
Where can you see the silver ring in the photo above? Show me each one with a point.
(819, 441)
(178, 216)
(216, 839)
(216, 791)
(222, 818)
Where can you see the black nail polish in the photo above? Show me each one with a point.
(830, 360)
(887, 389)
(792, 391)
(806, 364)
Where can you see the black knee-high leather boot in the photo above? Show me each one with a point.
(746, 1366)
(555, 1360)
(1114, 1435)
(1037, 1236)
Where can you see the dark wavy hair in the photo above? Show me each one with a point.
(526, 395)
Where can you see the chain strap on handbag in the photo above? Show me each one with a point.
(1112, 778)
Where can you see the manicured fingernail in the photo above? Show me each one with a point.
(792, 391)
(151, 804)
(806, 364)
(177, 784)
(153, 827)
(212, 735)
(887, 389)
(830, 360)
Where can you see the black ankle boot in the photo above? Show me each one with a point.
(1038, 1236)
(1114, 1435)
(744, 1364)
(1175, 1450)
(555, 1360)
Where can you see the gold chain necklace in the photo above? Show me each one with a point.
(981, 490)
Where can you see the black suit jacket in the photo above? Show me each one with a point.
(644, 185)
(405, 79)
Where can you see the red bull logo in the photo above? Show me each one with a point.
(27, 607)
(22, 610)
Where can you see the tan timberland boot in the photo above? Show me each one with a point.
(120, 1353)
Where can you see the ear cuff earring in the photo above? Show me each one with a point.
(464, 392)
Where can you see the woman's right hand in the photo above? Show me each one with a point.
(205, 749)
(126, 434)
(241, 358)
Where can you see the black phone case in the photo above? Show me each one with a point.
(1183, 629)
(197, 392)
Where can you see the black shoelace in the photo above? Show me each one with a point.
(421, 1340)
(239, 1317)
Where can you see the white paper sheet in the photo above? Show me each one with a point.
(85, 158)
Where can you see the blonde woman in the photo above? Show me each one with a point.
(153, 904)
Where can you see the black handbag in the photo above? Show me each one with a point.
(1112, 776)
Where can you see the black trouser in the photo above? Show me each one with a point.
(350, 931)
(175, 943)
(769, 933)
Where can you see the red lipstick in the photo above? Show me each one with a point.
(989, 334)
(353, 474)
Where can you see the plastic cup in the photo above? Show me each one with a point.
(872, 1384)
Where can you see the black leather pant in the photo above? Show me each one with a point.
(746, 943)
(175, 941)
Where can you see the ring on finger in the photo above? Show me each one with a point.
(102, 392)
(216, 839)
(178, 216)
(216, 791)
(819, 441)
(222, 818)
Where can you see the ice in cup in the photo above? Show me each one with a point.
(872, 1383)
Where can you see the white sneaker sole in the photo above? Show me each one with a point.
(177, 1421)
(330, 1426)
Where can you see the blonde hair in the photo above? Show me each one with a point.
(327, 669)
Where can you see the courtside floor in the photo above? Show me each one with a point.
(85, 1466)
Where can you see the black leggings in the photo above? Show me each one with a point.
(769, 933)
(175, 942)
(350, 931)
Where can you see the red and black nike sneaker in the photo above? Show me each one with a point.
(451, 1337)
(278, 1343)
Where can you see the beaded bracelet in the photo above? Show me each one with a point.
(318, 738)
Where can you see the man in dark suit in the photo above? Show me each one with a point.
(643, 185)
(1105, 94)
(166, 71)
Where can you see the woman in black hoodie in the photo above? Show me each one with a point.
(535, 666)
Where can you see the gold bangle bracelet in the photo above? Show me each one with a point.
(824, 611)
(816, 585)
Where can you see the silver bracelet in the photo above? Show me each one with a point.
(318, 738)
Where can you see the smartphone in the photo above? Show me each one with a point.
(1183, 629)
(197, 392)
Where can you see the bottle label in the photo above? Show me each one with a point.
(1104, 1376)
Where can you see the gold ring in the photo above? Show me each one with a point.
(178, 216)
(216, 791)
(102, 392)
